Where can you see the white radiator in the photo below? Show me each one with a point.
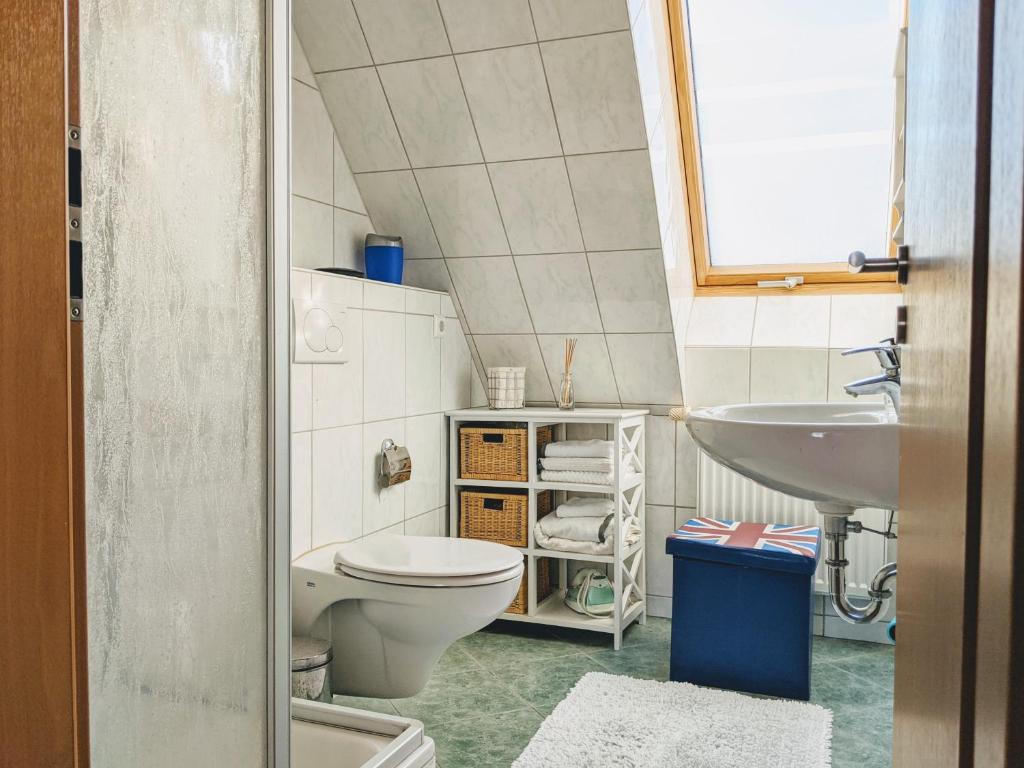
(723, 494)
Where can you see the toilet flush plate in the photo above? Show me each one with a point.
(319, 332)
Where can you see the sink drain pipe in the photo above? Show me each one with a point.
(836, 533)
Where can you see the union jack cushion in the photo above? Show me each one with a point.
(771, 537)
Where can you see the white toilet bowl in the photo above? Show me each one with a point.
(391, 605)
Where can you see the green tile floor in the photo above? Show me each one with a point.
(491, 690)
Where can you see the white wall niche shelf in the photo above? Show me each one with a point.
(626, 564)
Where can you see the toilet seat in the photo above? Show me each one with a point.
(429, 561)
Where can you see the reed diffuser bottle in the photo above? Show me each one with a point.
(566, 397)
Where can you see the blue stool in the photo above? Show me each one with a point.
(743, 605)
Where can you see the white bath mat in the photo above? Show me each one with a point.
(610, 720)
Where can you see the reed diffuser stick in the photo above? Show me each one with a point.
(566, 397)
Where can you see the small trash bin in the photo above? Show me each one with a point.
(743, 605)
(311, 658)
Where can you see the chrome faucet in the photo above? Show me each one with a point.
(888, 382)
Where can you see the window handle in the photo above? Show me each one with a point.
(900, 265)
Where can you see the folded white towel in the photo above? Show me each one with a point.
(578, 464)
(585, 506)
(576, 528)
(569, 476)
(585, 449)
(583, 547)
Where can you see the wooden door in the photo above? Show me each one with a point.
(42, 639)
(948, 147)
(999, 696)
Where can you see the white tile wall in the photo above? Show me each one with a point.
(508, 98)
(536, 205)
(430, 109)
(593, 378)
(565, 18)
(362, 119)
(473, 25)
(399, 30)
(330, 34)
(631, 291)
(341, 414)
(591, 76)
(492, 301)
(394, 202)
(461, 206)
(559, 293)
(615, 200)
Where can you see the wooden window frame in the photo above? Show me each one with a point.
(832, 277)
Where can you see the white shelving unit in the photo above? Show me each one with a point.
(628, 490)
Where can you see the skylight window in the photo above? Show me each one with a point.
(791, 110)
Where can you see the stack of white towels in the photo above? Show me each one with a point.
(581, 524)
(578, 461)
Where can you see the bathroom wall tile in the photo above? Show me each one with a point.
(461, 206)
(593, 380)
(631, 291)
(422, 366)
(660, 523)
(431, 274)
(383, 296)
(346, 193)
(592, 76)
(429, 106)
(788, 375)
(687, 456)
(473, 25)
(536, 205)
(721, 321)
(301, 70)
(559, 293)
(659, 607)
(337, 484)
(840, 628)
(456, 369)
(661, 460)
(302, 493)
(615, 200)
(861, 319)
(330, 34)
(398, 30)
(566, 18)
(508, 98)
(448, 306)
(422, 302)
(717, 376)
(842, 370)
(492, 301)
(312, 145)
(520, 350)
(586, 432)
(383, 365)
(350, 231)
(396, 207)
(338, 389)
(791, 321)
(362, 119)
(337, 288)
(382, 507)
(302, 397)
(423, 439)
(479, 392)
(312, 233)
(423, 525)
(645, 367)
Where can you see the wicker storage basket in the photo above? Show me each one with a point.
(544, 586)
(498, 452)
(499, 517)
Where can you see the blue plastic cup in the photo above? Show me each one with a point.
(384, 257)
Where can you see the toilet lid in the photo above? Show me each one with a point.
(433, 560)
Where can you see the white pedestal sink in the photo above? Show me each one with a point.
(836, 454)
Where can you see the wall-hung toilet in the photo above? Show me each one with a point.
(391, 605)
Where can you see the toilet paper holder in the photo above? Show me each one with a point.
(395, 464)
